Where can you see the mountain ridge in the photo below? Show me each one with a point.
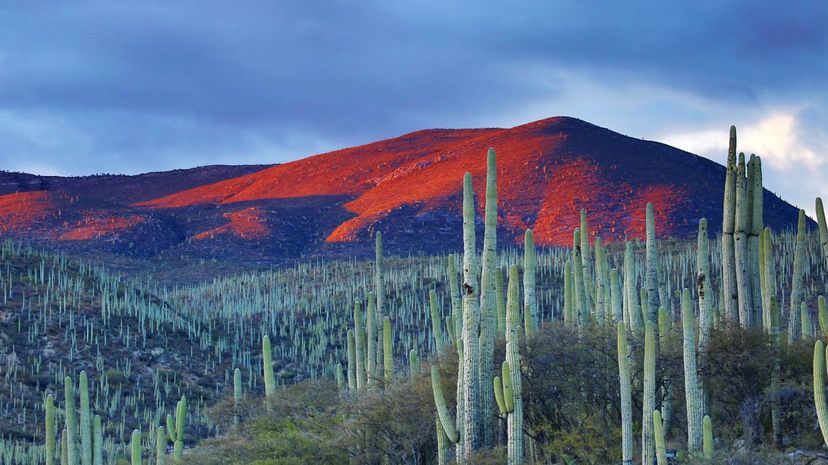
(407, 186)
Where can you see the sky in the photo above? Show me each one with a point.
(128, 87)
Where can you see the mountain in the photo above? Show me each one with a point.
(408, 187)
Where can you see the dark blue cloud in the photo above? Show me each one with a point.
(137, 86)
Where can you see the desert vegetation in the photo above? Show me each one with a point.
(642, 351)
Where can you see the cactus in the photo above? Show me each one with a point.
(823, 228)
(471, 326)
(413, 363)
(97, 441)
(387, 350)
(805, 318)
(488, 298)
(359, 342)
(501, 304)
(436, 323)
(569, 304)
(730, 293)
(798, 278)
(530, 303)
(85, 420)
(632, 314)
(586, 257)
(135, 448)
(658, 433)
(601, 289)
(651, 276)
(440, 402)
(267, 367)
(693, 394)
(647, 445)
(616, 297)
(177, 434)
(64, 448)
(371, 339)
(743, 278)
(626, 395)
(703, 285)
(579, 286)
(819, 389)
(754, 234)
(237, 392)
(823, 315)
(441, 442)
(454, 295)
(352, 384)
(515, 418)
(50, 430)
(769, 274)
(71, 421)
(379, 285)
(160, 445)
(708, 437)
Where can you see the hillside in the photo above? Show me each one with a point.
(330, 204)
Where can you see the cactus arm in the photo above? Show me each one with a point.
(658, 433)
(440, 403)
(387, 350)
(819, 389)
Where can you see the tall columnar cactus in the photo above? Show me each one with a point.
(441, 442)
(743, 278)
(267, 368)
(387, 350)
(371, 339)
(160, 446)
(50, 430)
(379, 284)
(632, 314)
(71, 421)
(501, 303)
(652, 266)
(616, 297)
(413, 363)
(530, 302)
(730, 294)
(237, 395)
(626, 395)
(569, 304)
(798, 279)
(359, 342)
(823, 315)
(647, 444)
(708, 437)
(454, 295)
(823, 228)
(352, 383)
(819, 389)
(175, 428)
(769, 289)
(488, 299)
(658, 436)
(515, 418)
(586, 256)
(805, 319)
(97, 442)
(601, 277)
(136, 448)
(693, 394)
(579, 286)
(64, 448)
(704, 287)
(436, 323)
(85, 420)
(471, 326)
(754, 234)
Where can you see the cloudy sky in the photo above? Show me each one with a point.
(129, 87)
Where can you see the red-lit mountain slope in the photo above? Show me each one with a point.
(409, 187)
